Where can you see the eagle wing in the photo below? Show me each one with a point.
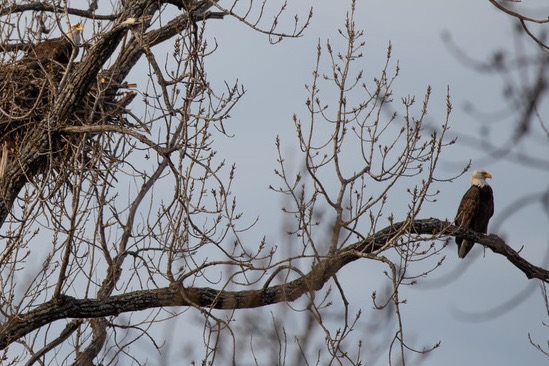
(58, 50)
(467, 211)
(468, 207)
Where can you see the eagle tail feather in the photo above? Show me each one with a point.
(464, 248)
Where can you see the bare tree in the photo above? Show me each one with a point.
(116, 207)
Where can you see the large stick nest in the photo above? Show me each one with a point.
(28, 93)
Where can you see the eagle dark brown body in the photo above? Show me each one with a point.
(58, 49)
(475, 210)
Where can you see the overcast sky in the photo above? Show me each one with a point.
(274, 77)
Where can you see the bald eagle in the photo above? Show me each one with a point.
(475, 209)
(58, 49)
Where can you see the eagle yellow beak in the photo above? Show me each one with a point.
(487, 175)
(78, 27)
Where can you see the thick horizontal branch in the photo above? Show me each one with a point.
(492, 241)
(67, 307)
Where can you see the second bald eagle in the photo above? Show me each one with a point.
(475, 210)
(59, 49)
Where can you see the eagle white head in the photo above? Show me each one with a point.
(75, 34)
(478, 178)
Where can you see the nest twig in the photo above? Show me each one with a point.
(28, 91)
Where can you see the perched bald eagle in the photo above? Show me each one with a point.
(475, 209)
(58, 49)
